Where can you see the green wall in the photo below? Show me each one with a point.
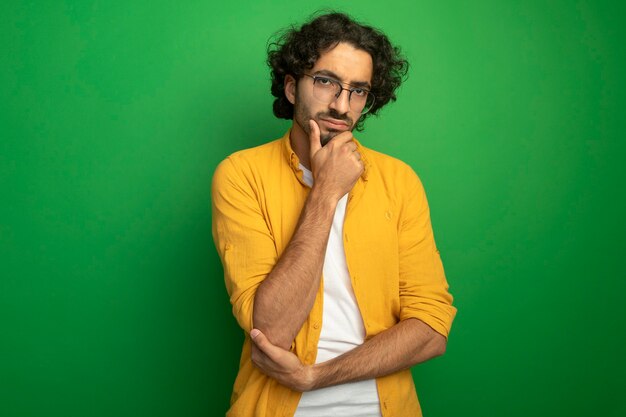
(115, 114)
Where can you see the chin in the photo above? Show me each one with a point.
(326, 137)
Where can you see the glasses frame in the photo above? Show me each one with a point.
(349, 90)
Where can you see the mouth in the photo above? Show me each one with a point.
(335, 124)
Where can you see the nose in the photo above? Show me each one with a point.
(342, 103)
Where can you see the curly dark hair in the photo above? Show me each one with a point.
(296, 50)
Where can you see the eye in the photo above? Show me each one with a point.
(324, 81)
(360, 92)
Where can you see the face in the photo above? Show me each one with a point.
(344, 63)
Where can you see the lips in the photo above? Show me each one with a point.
(335, 124)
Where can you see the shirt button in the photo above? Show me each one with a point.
(316, 326)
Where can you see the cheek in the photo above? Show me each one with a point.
(303, 112)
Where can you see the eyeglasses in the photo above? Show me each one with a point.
(327, 90)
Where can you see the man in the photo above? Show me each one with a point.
(327, 246)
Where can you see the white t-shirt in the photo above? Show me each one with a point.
(342, 331)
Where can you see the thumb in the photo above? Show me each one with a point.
(264, 344)
(314, 137)
(258, 338)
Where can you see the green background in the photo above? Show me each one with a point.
(115, 114)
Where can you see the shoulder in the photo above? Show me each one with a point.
(396, 180)
(264, 153)
(394, 172)
(248, 162)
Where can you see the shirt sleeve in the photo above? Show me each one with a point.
(242, 238)
(423, 287)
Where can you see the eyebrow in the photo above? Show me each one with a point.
(338, 78)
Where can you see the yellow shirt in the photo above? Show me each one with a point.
(394, 265)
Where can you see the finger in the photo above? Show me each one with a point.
(265, 345)
(258, 357)
(256, 353)
(349, 148)
(314, 137)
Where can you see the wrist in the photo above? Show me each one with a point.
(324, 197)
(309, 380)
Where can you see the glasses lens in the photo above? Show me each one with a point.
(325, 89)
(328, 90)
(369, 102)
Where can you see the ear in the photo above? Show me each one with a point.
(290, 88)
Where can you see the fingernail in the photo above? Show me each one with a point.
(254, 333)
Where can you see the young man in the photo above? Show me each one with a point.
(327, 246)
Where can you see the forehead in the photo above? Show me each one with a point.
(349, 63)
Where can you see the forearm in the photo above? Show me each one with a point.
(284, 299)
(406, 344)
